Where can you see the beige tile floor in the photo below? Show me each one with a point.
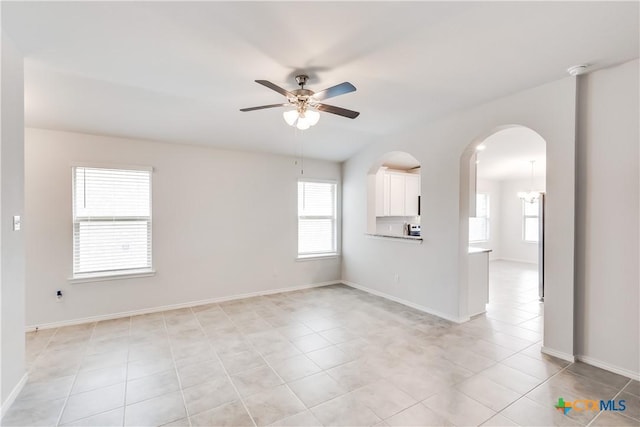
(325, 356)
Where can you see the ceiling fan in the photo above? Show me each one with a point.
(306, 102)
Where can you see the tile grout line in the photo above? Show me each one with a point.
(496, 363)
(75, 378)
(135, 379)
(96, 388)
(614, 398)
(175, 367)
(285, 383)
(126, 375)
(524, 395)
(222, 364)
(43, 348)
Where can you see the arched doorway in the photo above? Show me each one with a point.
(506, 228)
(558, 255)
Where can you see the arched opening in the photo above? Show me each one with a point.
(502, 227)
(393, 196)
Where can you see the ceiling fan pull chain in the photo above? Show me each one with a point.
(300, 139)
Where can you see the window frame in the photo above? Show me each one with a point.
(486, 219)
(110, 274)
(335, 219)
(524, 221)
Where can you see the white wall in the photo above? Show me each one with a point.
(12, 265)
(224, 224)
(492, 188)
(512, 247)
(607, 240)
(433, 275)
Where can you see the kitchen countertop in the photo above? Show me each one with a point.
(390, 236)
(473, 250)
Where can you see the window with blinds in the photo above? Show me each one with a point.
(530, 220)
(111, 221)
(479, 225)
(316, 218)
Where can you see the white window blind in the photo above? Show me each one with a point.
(530, 220)
(111, 221)
(479, 225)
(316, 218)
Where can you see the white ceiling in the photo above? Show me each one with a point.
(179, 71)
(508, 155)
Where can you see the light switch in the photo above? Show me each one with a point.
(16, 223)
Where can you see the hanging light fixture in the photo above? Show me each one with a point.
(290, 117)
(302, 118)
(531, 195)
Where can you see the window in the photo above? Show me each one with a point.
(316, 219)
(479, 225)
(530, 220)
(111, 222)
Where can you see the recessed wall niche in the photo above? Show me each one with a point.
(393, 196)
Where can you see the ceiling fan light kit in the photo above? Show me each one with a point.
(306, 103)
(302, 120)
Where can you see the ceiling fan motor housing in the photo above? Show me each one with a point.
(302, 80)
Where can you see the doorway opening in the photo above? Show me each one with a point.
(507, 181)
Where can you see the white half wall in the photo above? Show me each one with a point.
(12, 243)
(224, 224)
(607, 215)
(434, 274)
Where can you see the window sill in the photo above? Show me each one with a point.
(316, 257)
(105, 277)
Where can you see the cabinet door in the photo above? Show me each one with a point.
(385, 195)
(412, 192)
(396, 194)
(381, 194)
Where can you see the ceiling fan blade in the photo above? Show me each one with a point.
(262, 107)
(276, 88)
(337, 110)
(336, 90)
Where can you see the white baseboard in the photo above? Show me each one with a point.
(13, 395)
(111, 316)
(559, 354)
(405, 302)
(608, 367)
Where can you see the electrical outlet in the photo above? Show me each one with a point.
(58, 295)
(396, 277)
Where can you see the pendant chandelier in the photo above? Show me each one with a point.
(530, 196)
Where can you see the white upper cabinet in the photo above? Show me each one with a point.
(411, 195)
(397, 193)
(382, 193)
